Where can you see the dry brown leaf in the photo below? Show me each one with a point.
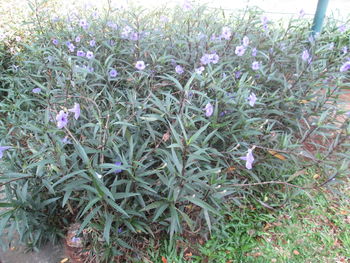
(64, 260)
(267, 226)
(277, 155)
(316, 176)
(164, 260)
(231, 168)
(188, 255)
(166, 136)
(257, 254)
(296, 252)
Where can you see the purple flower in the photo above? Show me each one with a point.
(240, 51)
(222, 114)
(71, 47)
(111, 42)
(120, 230)
(92, 43)
(140, 65)
(245, 41)
(55, 19)
(230, 95)
(95, 15)
(301, 13)
(179, 69)
(76, 240)
(345, 66)
(311, 38)
(83, 23)
(89, 55)
(305, 56)
(77, 39)
(209, 109)
(90, 69)
(264, 20)
(134, 36)
(112, 25)
(76, 110)
(252, 99)
(205, 59)
(347, 113)
(200, 70)
(255, 65)
(249, 158)
(164, 19)
(254, 51)
(118, 170)
(345, 50)
(214, 37)
(186, 5)
(80, 53)
(65, 140)
(214, 58)
(126, 31)
(226, 33)
(113, 73)
(55, 41)
(2, 149)
(62, 119)
(342, 28)
(36, 90)
(238, 74)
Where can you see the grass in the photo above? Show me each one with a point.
(310, 230)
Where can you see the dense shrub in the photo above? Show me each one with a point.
(134, 122)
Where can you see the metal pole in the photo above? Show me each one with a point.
(319, 16)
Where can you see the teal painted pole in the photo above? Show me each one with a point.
(319, 16)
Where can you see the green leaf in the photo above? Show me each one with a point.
(7, 205)
(153, 205)
(116, 207)
(195, 136)
(207, 219)
(88, 219)
(174, 221)
(82, 153)
(107, 228)
(90, 205)
(201, 204)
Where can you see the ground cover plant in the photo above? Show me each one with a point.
(135, 123)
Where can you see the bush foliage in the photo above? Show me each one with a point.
(135, 122)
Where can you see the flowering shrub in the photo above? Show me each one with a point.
(134, 123)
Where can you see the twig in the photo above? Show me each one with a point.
(274, 182)
(16, 179)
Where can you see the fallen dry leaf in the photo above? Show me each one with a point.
(164, 260)
(257, 254)
(267, 226)
(316, 176)
(296, 252)
(64, 260)
(277, 155)
(188, 255)
(166, 136)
